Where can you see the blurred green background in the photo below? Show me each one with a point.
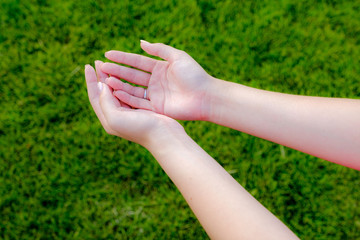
(63, 177)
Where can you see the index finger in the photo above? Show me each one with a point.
(91, 83)
(93, 94)
(135, 60)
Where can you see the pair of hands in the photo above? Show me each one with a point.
(176, 88)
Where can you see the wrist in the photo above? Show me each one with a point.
(213, 98)
(164, 135)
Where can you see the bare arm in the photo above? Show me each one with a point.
(224, 208)
(178, 87)
(328, 128)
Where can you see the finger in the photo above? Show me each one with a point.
(161, 50)
(91, 81)
(131, 59)
(93, 94)
(124, 105)
(117, 84)
(133, 101)
(101, 76)
(108, 103)
(129, 74)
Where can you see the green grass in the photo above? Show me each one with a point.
(63, 177)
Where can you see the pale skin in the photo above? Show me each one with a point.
(178, 87)
(224, 208)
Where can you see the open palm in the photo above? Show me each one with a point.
(176, 87)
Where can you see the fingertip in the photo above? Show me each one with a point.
(145, 45)
(144, 42)
(108, 53)
(108, 67)
(87, 65)
(98, 62)
(111, 78)
(89, 70)
(117, 93)
(104, 66)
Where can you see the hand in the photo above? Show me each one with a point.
(176, 87)
(140, 126)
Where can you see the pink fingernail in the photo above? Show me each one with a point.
(143, 41)
(100, 86)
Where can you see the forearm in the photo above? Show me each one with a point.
(324, 127)
(224, 208)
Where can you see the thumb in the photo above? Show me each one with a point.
(161, 50)
(108, 103)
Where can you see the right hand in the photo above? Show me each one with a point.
(177, 87)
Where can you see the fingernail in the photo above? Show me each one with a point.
(143, 41)
(100, 86)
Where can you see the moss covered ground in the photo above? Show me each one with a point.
(63, 177)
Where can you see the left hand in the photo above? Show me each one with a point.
(140, 126)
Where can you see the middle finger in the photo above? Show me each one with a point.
(129, 74)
